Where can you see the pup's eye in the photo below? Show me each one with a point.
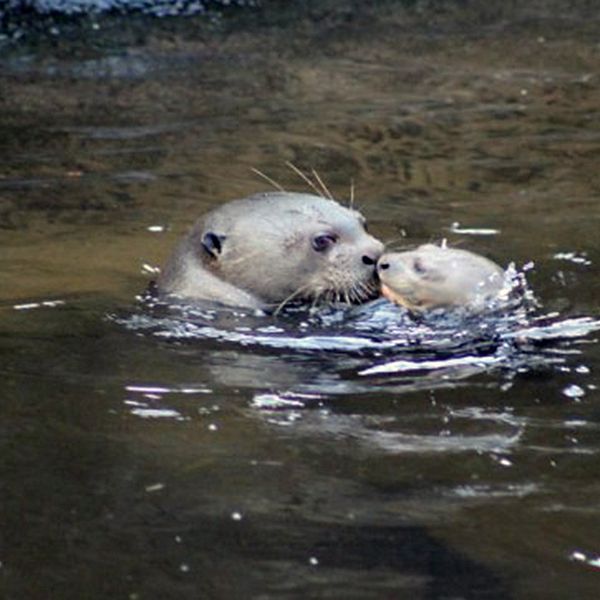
(322, 242)
(419, 267)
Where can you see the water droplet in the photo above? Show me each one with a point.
(155, 487)
(573, 391)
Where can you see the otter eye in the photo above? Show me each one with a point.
(322, 242)
(418, 267)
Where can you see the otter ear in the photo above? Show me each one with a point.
(213, 243)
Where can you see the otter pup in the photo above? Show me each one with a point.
(434, 277)
(265, 250)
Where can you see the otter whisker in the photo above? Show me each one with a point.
(293, 295)
(305, 178)
(337, 293)
(315, 301)
(352, 194)
(360, 291)
(320, 181)
(348, 295)
(367, 290)
(267, 178)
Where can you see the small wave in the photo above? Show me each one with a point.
(383, 339)
(403, 365)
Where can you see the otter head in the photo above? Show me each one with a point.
(433, 277)
(277, 247)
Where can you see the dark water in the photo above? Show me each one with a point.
(149, 456)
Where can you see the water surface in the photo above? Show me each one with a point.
(229, 464)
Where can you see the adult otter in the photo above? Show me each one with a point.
(434, 277)
(265, 250)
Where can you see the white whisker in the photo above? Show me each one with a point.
(305, 178)
(320, 182)
(293, 295)
(267, 178)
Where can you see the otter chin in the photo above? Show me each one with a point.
(269, 249)
(432, 277)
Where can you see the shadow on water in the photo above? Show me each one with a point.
(155, 452)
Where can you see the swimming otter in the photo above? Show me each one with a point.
(434, 277)
(265, 250)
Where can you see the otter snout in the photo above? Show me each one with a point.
(391, 264)
(384, 265)
(372, 253)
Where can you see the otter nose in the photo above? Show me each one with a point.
(372, 252)
(383, 266)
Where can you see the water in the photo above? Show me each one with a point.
(148, 453)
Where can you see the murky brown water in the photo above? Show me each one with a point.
(137, 467)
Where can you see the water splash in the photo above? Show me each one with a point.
(382, 340)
